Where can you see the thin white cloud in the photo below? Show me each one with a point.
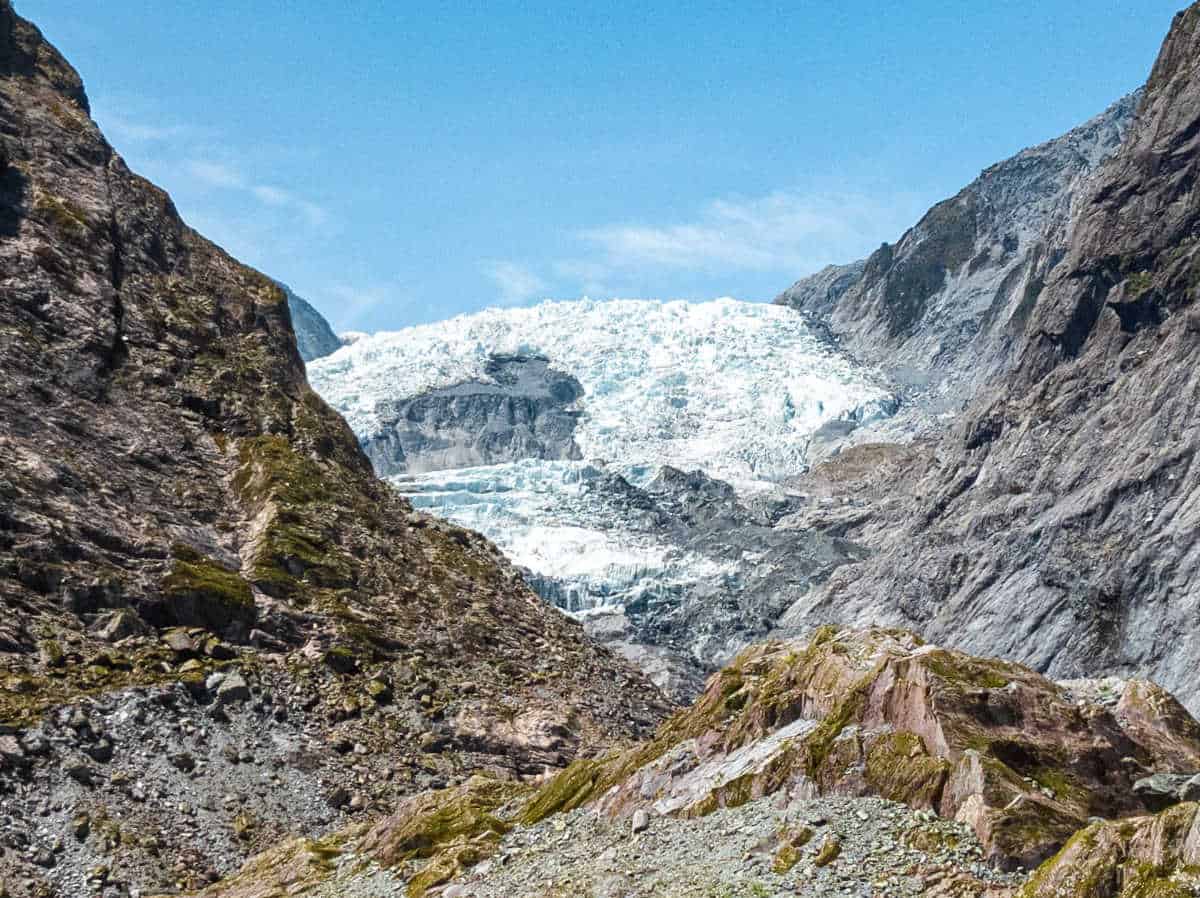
(517, 283)
(348, 304)
(123, 129)
(224, 176)
(782, 231)
(216, 174)
(272, 196)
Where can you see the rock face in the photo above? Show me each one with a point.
(524, 409)
(314, 337)
(1023, 761)
(942, 309)
(1127, 859)
(1055, 522)
(163, 457)
(814, 768)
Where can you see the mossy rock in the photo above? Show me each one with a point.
(200, 591)
(380, 691)
(451, 829)
(899, 768)
(341, 659)
(785, 858)
(829, 852)
(581, 781)
(963, 671)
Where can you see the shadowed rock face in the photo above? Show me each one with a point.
(314, 337)
(941, 308)
(1056, 522)
(163, 463)
(525, 409)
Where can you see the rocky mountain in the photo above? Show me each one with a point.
(564, 431)
(218, 627)
(855, 763)
(942, 310)
(314, 337)
(1055, 522)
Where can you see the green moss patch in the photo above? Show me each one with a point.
(900, 769)
(201, 592)
(450, 829)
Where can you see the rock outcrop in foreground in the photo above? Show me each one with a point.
(1056, 522)
(216, 625)
(1147, 856)
(914, 759)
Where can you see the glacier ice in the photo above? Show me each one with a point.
(736, 389)
(548, 517)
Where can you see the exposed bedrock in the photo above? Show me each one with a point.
(524, 409)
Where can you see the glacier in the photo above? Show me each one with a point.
(735, 390)
(554, 518)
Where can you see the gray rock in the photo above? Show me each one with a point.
(118, 625)
(1161, 789)
(180, 642)
(233, 690)
(80, 770)
(525, 409)
(314, 337)
(935, 309)
(640, 822)
(1190, 791)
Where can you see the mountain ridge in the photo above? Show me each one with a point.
(1057, 514)
(202, 580)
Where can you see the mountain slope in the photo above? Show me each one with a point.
(1056, 524)
(314, 337)
(201, 580)
(941, 309)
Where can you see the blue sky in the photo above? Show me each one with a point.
(398, 162)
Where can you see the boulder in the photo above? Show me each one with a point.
(180, 642)
(118, 625)
(1162, 789)
(233, 690)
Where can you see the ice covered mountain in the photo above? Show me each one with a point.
(735, 388)
(563, 432)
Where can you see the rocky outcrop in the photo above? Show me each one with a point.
(184, 523)
(1055, 523)
(1144, 856)
(523, 409)
(314, 337)
(1023, 761)
(943, 308)
(855, 739)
